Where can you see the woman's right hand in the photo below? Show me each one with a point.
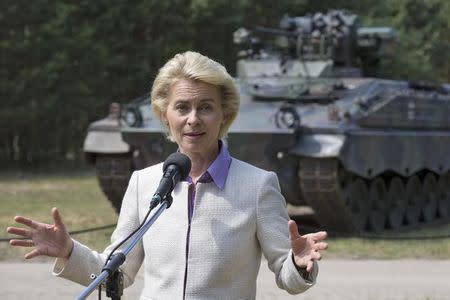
(49, 240)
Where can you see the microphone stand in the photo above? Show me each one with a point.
(111, 269)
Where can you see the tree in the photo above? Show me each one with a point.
(63, 62)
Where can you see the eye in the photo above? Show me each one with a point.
(206, 108)
(181, 107)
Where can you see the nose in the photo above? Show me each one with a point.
(193, 118)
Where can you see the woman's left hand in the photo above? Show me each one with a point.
(305, 248)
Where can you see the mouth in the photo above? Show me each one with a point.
(194, 134)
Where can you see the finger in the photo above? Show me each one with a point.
(19, 231)
(317, 236)
(316, 255)
(22, 243)
(321, 246)
(32, 254)
(57, 218)
(309, 266)
(302, 261)
(293, 230)
(27, 222)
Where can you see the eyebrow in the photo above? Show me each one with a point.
(201, 100)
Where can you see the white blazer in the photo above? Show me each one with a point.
(230, 229)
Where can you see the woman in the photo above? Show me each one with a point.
(208, 245)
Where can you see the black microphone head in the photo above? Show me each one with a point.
(181, 161)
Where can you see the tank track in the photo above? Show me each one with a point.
(344, 202)
(113, 173)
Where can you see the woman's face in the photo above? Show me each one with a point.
(194, 117)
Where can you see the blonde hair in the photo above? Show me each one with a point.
(194, 66)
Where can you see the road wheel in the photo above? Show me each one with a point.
(377, 202)
(113, 173)
(396, 203)
(414, 200)
(430, 197)
(444, 195)
(356, 199)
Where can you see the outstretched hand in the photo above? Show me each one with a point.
(305, 248)
(49, 240)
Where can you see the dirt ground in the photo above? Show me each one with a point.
(338, 279)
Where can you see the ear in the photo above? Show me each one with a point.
(164, 120)
(224, 120)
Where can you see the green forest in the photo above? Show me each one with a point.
(63, 62)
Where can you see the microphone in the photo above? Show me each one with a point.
(176, 167)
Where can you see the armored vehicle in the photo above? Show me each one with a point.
(364, 153)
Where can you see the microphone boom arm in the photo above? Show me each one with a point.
(119, 258)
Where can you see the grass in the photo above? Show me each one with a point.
(78, 197)
(356, 248)
(82, 205)
(419, 242)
